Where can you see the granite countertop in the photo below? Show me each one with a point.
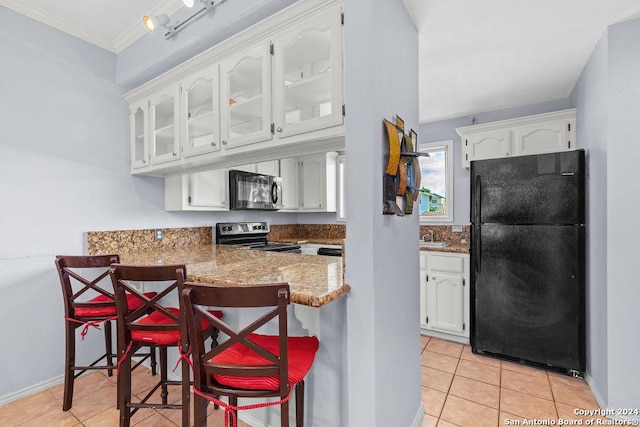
(314, 280)
(460, 248)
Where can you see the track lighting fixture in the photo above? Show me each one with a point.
(153, 22)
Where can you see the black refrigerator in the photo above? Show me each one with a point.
(527, 260)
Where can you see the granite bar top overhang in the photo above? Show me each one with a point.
(313, 280)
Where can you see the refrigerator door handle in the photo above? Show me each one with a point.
(476, 248)
(478, 202)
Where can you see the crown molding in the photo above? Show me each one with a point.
(128, 37)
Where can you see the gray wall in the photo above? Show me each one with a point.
(623, 202)
(607, 96)
(446, 129)
(65, 149)
(591, 134)
(152, 55)
(381, 80)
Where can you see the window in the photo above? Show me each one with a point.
(436, 188)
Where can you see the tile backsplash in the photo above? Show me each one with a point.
(122, 241)
(307, 231)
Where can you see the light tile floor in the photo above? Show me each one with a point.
(459, 388)
(94, 405)
(463, 389)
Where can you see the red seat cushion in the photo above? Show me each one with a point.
(164, 337)
(302, 351)
(110, 310)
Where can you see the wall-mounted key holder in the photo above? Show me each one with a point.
(402, 176)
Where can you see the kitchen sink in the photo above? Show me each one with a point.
(434, 244)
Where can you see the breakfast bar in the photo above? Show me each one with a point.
(316, 284)
(314, 280)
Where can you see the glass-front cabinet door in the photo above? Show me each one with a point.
(139, 127)
(200, 104)
(163, 125)
(308, 75)
(245, 93)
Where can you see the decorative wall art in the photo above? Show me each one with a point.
(402, 174)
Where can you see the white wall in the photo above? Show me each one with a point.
(381, 80)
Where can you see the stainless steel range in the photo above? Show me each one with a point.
(252, 235)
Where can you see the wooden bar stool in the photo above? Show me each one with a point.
(247, 364)
(154, 324)
(88, 302)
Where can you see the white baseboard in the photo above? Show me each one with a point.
(251, 420)
(36, 388)
(596, 393)
(417, 420)
(630, 420)
(442, 335)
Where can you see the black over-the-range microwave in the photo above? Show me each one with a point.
(253, 191)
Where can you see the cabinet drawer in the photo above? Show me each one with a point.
(448, 263)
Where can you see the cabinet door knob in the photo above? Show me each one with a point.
(279, 129)
(213, 144)
(224, 142)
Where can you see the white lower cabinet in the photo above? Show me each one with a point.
(444, 293)
(423, 290)
(199, 191)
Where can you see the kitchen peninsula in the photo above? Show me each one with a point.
(316, 284)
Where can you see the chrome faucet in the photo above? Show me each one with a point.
(430, 232)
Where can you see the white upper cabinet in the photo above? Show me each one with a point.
(139, 128)
(199, 191)
(318, 182)
(289, 172)
(272, 91)
(164, 139)
(271, 168)
(488, 145)
(545, 137)
(308, 75)
(309, 183)
(245, 105)
(538, 134)
(200, 112)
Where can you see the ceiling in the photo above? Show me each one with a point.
(475, 56)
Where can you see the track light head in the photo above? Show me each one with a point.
(153, 22)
